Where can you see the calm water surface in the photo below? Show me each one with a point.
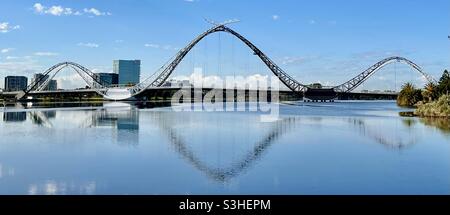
(314, 148)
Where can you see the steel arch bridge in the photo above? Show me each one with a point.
(91, 79)
(164, 72)
(362, 77)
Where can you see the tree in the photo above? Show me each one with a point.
(409, 95)
(444, 83)
(431, 92)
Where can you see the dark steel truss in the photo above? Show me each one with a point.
(161, 75)
(359, 79)
(91, 79)
(166, 71)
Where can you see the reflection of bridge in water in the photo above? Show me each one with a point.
(279, 128)
(161, 75)
(125, 120)
(389, 142)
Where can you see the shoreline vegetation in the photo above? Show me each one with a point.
(431, 102)
(439, 108)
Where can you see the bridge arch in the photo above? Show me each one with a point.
(166, 70)
(362, 77)
(90, 78)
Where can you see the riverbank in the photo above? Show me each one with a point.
(431, 101)
(439, 108)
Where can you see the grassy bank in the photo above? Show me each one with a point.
(439, 108)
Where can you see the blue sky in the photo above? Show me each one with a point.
(326, 41)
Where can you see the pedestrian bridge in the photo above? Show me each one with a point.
(162, 75)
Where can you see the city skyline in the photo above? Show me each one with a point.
(326, 46)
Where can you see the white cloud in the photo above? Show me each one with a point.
(68, 11)
(422, 80)
(312, 22)
(102, 69)
(275, 17)
(5, 27)
(292, 60)
(3, 51)
(325, 83)
(382, 78)
(11, 58)
(25, 67)
(39, 8)
(288, 60)
(70, 81)
(156, 46)
(57, 10)
(169, 47)
(96, 12)
(89, 45)
(47, 54)
(21, 67)
(164, 47)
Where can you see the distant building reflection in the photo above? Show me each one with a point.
(125, 120)
(14, 116)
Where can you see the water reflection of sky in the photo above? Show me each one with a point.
(333, 148)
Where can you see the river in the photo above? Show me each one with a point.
(345, 147)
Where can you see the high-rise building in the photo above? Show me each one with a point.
(15, 83)
(129, 71)
(39, 77)
(52, 85)
(108, 79)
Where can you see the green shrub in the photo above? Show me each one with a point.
(409, 96)
(439, 108)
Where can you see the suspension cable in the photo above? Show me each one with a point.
(219, 61)
(395, 73)
(232, 58)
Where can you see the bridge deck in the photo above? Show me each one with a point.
(166, 93)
